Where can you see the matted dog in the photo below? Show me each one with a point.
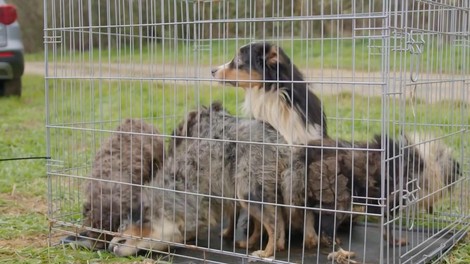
(335, 173)
(130, 156)
(437, 169)
(275, 92)
(201, 167)
(246, 160)
(426, 168)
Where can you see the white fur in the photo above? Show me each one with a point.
(223, 66)
(437, 168)
(162, 229)
(271, 107)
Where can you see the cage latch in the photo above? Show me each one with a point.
(415, 46)
(410, 201)
(56, 39)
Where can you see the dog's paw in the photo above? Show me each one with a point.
(311, 241)
(262, 254)
(118, 246)
(342, 256)
(280, 245)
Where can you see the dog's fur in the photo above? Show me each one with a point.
(334, 174)
(427, 167)
(275, 92)
(438, 168)
(131, 155)
(257, 171)
(212, 167)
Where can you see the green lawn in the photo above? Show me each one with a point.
(358, 54)
(79, 105)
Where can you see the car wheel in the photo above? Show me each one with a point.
(11, 87)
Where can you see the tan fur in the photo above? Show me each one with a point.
(273, 56)
(161, 229)
(243, 79)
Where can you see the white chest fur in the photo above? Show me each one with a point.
(271, 107)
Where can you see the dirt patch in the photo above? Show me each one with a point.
(17, 204)
(39, 240)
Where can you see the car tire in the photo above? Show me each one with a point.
(11, 87)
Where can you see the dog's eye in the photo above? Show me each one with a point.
(238, 61)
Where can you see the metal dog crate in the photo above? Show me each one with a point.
(379, 66)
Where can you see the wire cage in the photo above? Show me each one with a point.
(396, 69)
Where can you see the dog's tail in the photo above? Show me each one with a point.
(436, 151)
(438, 168)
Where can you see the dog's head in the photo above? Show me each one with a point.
(144, 229)
(136, 237)
(255, 64)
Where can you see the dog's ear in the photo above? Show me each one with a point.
(272, 55)
(216, 106)
(192, 119)
(182, 131)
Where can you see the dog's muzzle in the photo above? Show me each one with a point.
(214, 71)
(217, 69)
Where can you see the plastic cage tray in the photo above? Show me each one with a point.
(411, 253)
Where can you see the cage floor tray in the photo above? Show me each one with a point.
(365, 242)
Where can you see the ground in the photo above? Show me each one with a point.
(15, 205)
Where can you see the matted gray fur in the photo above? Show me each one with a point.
(131, 155)
(230, 153)
(211, 167)
(222, 151)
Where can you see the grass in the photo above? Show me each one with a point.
(460, 255)
(347, 54)
(23, 187)
(76, 106)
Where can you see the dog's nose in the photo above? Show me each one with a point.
(214, 71)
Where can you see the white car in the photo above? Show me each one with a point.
(11, 51)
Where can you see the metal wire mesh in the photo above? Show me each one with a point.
(397, 69)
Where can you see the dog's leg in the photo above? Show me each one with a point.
(275, 230)
(254, 237)
(265, 214)
(327, 230)
(276, 238)
(229, 231)
(281, 231)
(256, 234)
(269, 249)
(311, 237)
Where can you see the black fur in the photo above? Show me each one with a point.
(285, 76)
